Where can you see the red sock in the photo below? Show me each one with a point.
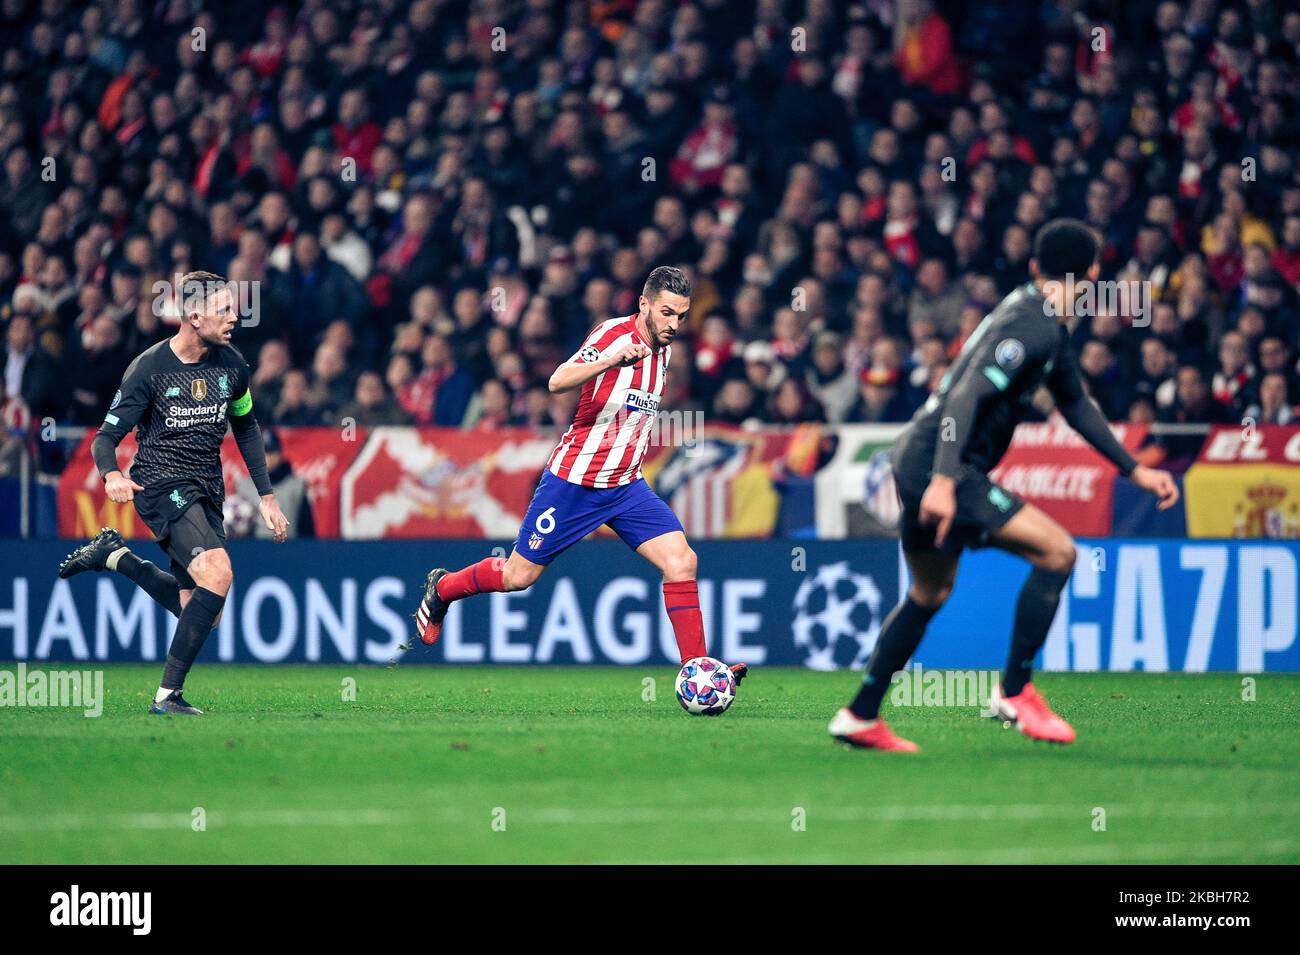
(481, 578)
(682, 598)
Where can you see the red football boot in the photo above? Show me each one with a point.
(868, 734)
(1031, 715)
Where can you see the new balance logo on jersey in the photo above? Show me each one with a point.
(173, 393)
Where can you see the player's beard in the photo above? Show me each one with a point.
(216, 339)
(652, 335)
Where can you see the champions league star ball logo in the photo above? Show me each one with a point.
(836, 618)
(1010, 353)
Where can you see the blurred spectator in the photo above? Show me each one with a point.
(410, 207)
(1231, 382)
(1273, 406)
(794, 404)
(371, 405)
(736, 403)
(829, 379)
(295, 407)
(493, 410)
(440, 394)
(882, 398)
(30, 372)
(1193, 404)
(292, 493)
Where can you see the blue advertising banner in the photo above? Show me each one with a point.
(1132, 605)
(335, 601)
(1155, 605)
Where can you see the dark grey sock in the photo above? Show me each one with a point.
(1039, 598)
(195, 624)
(153, 580)
(899, 637)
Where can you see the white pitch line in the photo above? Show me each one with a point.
(1113, 853)
(346, 818)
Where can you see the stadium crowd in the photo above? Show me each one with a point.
(436, 200)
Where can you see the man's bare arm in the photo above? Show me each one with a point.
(575, 374)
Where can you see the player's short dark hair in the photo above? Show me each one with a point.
(1065, 247)
(666, 278)
(197, 289)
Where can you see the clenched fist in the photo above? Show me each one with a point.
(629, 354)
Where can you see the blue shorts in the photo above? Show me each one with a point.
(563, 513)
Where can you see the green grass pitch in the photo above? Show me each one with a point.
(491, 765)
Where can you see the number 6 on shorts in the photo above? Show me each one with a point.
(545, 522)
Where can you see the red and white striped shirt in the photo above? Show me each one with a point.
(616, 412)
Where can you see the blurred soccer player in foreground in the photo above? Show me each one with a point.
(941, 464)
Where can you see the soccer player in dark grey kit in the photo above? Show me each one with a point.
(941, 464)
(181, 394)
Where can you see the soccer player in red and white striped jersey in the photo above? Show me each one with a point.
(607, 440)
(593, 476)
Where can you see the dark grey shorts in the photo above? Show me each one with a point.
(185, 522)
(982, 507)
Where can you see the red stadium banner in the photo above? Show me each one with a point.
(442, 482)
(1050, 466)
(1260, 444)
(404, 482)
(83, 506)
(319, 455)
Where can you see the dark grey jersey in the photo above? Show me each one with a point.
(181, 414)
(970, 419)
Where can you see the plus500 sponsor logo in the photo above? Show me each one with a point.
(639, 401)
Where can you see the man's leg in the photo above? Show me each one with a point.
(108, 551)
(673, 557)
(1033, 535)
(202, 608)
(559, 515)
(859, 724)
(201, 565)
(149, 577)
(933, 573)
(490, 575)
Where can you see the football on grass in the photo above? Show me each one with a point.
(705, 686)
